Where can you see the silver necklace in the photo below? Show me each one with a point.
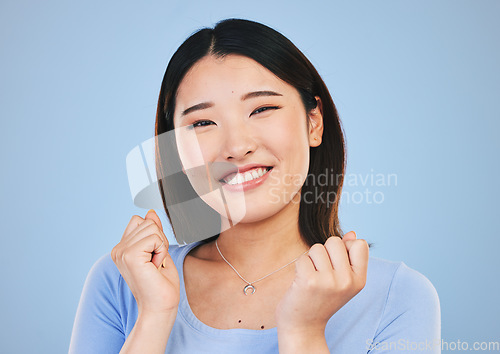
(249, 287)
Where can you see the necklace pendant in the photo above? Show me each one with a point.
(248, 288)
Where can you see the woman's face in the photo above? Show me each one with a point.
(233, 114)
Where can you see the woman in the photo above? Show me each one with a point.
(280, 275)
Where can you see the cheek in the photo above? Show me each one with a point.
(291, 147)
(293, 141)
(188, 146)
(187, 158)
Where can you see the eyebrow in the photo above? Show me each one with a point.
(205, 105)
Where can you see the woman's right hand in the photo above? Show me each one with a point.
(144, 262)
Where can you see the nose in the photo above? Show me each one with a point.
(238, 142)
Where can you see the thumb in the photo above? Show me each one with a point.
(351, 235)
(151, 214)
(168, 269)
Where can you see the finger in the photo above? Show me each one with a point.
(140, 224)
(148, 227)
(151, 214)
(358, 255)
(145, 247)
(351, 235)
(135, 221)
(304, 267)
(168, 269)
(162, 250)
(320, 257)
(338, 254)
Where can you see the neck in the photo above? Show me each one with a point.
(258, 248)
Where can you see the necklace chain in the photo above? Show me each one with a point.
(246, 281)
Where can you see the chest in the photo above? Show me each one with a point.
(217, 299)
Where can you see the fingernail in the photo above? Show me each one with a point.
(150, 210)
(164, 265)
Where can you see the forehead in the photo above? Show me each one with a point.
(211, 78)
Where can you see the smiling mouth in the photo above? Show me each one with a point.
(250, 175)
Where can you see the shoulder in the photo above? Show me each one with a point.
(406, 280)
(104, 267)
(104, 274)
(396, 302)
(402, 281)
(410, 289)
(407, 291)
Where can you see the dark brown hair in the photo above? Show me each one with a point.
(317, 220)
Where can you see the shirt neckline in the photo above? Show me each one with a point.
(194, 322)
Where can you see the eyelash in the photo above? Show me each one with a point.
(266, 108)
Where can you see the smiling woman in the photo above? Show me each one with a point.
(248, 106)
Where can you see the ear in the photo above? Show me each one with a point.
(315, 124)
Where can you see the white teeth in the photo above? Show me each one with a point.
(246, 176)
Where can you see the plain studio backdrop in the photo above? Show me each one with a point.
(416, 84)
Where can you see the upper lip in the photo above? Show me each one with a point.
(241, 169)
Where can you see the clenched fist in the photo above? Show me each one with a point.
(325, 280)
(144, 262)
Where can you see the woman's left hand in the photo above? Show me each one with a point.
(325, 280)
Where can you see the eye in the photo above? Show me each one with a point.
(200, 123)
(263, 109)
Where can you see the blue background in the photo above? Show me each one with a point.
(416, 83)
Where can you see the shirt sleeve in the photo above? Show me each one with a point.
(98, 326)
(411, 322)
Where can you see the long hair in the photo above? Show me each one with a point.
(317, 220)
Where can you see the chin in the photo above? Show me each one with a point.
(259, 213)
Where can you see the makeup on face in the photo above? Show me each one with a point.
(249, 124)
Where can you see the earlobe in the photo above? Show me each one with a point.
(316, 124)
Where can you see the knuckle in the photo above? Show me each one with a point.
(113, 253)
(135, 218)
(345, 286)
(153, 235)
(361, 242)
(312, 283)
(316, 247)
(116, 251)
(333, 241)
(126, 256)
